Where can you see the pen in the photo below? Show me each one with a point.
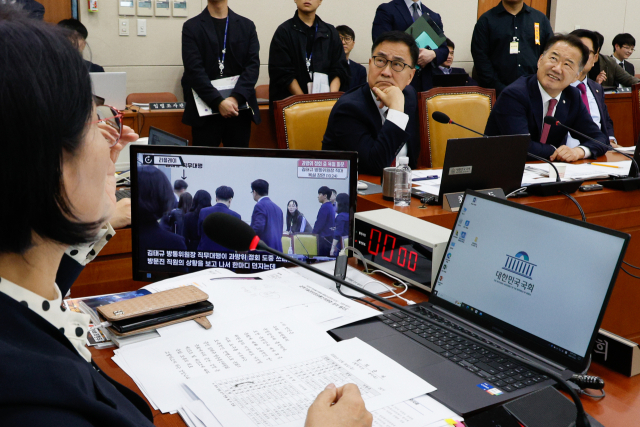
(606, 166)
(426, 178)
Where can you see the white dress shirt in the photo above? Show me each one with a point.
(396, 117)
(593, 108)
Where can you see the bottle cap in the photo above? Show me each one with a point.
(403, 160)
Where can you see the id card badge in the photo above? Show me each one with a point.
(513, 48)
(536, 27)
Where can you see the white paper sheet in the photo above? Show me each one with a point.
(539, 172)
(279, 395)
(161, 366)
(320, 83)
(227, 83)
(422, 411)
(354, 277)
(197, 409)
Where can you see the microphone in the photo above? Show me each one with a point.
(231, 232)
(441, 117)
(632, 182)
(543, 189)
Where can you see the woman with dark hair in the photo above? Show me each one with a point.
(201, 200)
(295, 221)
(342, 223)
(65, 170)
(176, 217)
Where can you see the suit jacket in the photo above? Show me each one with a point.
(628, 66)
(518, 111)
(395, 16)
(358, 74)
(268, 223)
(200, 50)
(605, 120)
(438, 71)
(355, 125)
(47, 383)
(206, 244)
(615, 74)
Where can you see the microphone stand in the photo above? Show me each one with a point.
(581, 419)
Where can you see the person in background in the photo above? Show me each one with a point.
(342, 224)
(201, 200)
(623, 47)
(295, 220)
(224, 196)
(507, 43)
(179, 187)
(176, 217)
(218, 44)
(267, 219)
(607, 72)
(32, 7)
(79, 36)
(398, 15)
(591, 92)
(334, 194)
(325, 222)
(358, 72)
(302, 46)
(446, 68)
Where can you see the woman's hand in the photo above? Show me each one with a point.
(111, 134)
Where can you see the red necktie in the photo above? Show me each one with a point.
(546, 127)
(583, 92)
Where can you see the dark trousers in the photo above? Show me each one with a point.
(231, 132)
(324, 245)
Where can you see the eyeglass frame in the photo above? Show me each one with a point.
(387, 61)
(119, 115)
(346, 39)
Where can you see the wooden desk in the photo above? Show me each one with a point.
(621, 112)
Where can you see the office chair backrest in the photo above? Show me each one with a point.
(468, 105)
(305, 244)
(287, 242)
(301, 120)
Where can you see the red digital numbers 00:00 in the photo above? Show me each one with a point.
(401, 260)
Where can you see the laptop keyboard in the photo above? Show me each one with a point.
(125, 193)
(500, 371)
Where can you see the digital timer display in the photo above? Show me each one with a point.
(398, 254)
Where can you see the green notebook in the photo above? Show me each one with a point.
(426, 33)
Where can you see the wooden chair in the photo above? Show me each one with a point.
(301, 120)
(262, 92)
(145, 98)
(468, 105)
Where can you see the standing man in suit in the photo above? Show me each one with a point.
(218, 44)
(302, 46)
(507, 42)
(592, 94)
(379, 120)
(224, 196)
(522, 106)
(398, 15)
(325, 224)
(358, 72)
(267, 220)
(446, 68)
(623, 47)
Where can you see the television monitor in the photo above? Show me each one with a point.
(168, 242)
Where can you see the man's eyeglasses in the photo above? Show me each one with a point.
(112, 117)
(627, 47)
(346, 39)
(397, 66)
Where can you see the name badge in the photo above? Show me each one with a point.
(536, 26)
(513, 48)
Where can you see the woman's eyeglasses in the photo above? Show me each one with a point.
(111, 117)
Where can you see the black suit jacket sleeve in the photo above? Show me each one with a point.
(195, 74)
(245, 87)
(382, 22)
(486, 74)
(584, 124)
(281, 64)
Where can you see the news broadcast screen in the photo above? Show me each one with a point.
(301, 203)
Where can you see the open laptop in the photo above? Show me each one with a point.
(535, 283)
(483, 163)
(112, 87)
(160, 137)
(450, 80)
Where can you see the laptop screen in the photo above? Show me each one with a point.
(160, 137)
(282, 194)
(517, 269)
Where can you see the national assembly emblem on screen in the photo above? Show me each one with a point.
(520, 265)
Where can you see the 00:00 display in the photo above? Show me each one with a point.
(410, 261)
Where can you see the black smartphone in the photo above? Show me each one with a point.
(133, 324)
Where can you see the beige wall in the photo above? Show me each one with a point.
(154, 63)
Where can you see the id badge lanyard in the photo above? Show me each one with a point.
(308, 58)
(224, 49)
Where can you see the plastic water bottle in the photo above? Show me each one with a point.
(402, 190)
(290, 250)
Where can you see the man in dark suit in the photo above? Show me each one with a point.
(218, 44)
(358, 72)
(591, 92)
(379, 120)
(398, 15)
(267, 219)
(623, 47)
(446, 68)
(325, 224)
(224, 195)
(521, 107)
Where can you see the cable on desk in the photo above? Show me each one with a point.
(584, 217)
(377, 307)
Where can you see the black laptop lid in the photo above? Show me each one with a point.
(539, 279)
(483, 163)
(160, 137)
(450, 80)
